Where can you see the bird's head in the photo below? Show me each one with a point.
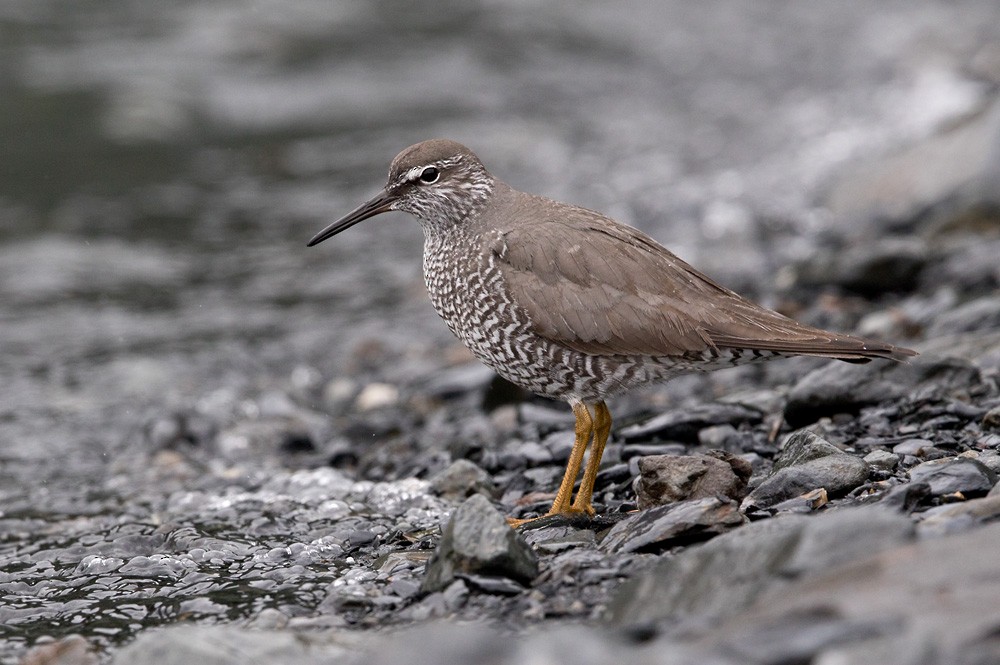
(440, 182)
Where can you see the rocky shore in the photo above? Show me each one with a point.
(220, 448)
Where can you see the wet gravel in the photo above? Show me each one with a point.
(216, 445)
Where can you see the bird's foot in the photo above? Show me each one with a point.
(569, 513)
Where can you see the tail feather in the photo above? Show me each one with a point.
(838, 347)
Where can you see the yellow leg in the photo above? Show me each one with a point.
(584, 429)
(602, 429)
(596, 427)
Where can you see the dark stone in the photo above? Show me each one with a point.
(684, 424)
(674, 524)
(843, 387)
(968, 476)
(803, 446)
(808, 462)
(478, 541)
(666, 479)
(837, 474)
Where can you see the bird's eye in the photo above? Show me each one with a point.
(429, 175)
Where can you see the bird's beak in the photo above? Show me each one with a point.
(377, 205)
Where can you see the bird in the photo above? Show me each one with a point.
(572, 305)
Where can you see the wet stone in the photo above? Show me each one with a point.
(477, 540)
(683, 522)
(968, 476)
(669, 478)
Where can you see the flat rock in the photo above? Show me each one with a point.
(478, 541)
(666, 479)
(837, 474)
(673, 524)
(959, 516)
(804, 446)
(722, 577)
(808, 462)
(947, 476)
(684, 424)
(930, 602)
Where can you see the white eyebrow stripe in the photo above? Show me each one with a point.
(414, 173)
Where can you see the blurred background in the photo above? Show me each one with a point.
(163, 164)
(169, 347)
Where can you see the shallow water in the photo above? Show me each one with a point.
(163, 166)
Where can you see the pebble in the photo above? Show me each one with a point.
(882, 459)
(669, 478)
(376, 396)
(462, 479)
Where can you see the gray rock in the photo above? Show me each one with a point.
(560, 644)
(844, 387)
(931, 602)
(477, 540)
(684, 424)
(882, 460)
(462, 479)
(673, 524)
(837, 474)
(804, 446)
(955, 517)
(720, 437)
(669, 478)
(808, 462)
(962, 474)
(721, 578)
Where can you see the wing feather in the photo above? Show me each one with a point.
(600, 287)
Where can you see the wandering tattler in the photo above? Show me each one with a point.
(572, 305)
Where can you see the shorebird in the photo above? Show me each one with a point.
(570, 304)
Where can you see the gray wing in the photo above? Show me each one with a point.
(600, 287)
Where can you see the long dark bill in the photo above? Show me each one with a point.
(377, 205)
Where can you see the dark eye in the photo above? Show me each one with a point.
(429, 175)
